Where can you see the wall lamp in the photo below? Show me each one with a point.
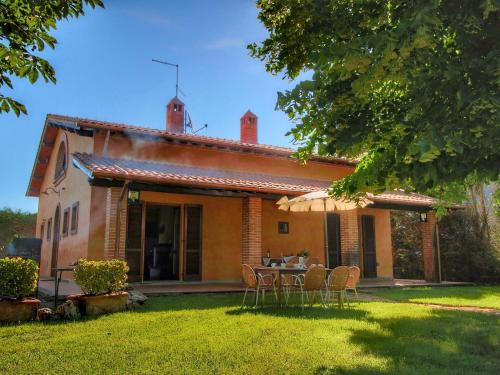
(423, 217)
(51, 189)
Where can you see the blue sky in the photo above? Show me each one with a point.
(104, 71)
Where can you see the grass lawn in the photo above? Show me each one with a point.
(210, 334)
(480, 296)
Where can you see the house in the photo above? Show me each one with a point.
(184, 207)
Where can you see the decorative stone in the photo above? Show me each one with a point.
(135, 299)
(45, 314)
(69, 310)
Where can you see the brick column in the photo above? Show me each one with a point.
(349, 238)
(110, 237)
(428, 247)
(252, 231)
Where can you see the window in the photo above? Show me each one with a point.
(65, 222)
(283, 227)
(42, 230)
(49, 229)
(61, 162)
(74, 217)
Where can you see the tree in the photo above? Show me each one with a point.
(15, 224)
(25, 27)
(410, 88)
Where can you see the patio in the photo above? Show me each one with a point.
(67, 287)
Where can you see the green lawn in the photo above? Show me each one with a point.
(480, 296)
(210, 334)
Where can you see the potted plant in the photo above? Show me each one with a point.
(302, 255)
(18, 281)
(103, 283)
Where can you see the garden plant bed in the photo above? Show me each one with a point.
(15, 310)
(101, 304)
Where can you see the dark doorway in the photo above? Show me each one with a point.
(193, 236)
(55, 241)
(368, 241)
(333, 240)
(133, 248)
(161, 243)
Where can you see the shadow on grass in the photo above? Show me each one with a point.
(472, 293)
(314, 312)
(444, 341)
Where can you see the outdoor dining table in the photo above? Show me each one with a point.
(282, 271)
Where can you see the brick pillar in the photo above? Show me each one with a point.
(349, 238)
(110, 234)
(252, 231)
(429, 252)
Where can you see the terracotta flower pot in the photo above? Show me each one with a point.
(18, 310)
(102, 304)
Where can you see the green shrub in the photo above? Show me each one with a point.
(102, 276)
(18, 277)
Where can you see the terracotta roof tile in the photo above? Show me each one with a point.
(168, 173)
(194, 138)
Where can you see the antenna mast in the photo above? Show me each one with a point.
(176, 66)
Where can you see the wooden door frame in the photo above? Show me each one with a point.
(327, 239)
(56, 238)
(362, 245)
(143, 234)
(184, 236)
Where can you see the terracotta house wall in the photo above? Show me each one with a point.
(221, 233)
(97, 225)
(122, 147)
(306, 232)
(76, 189)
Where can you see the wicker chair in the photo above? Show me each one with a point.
(336, 285)
(312, 282)
(352, 281)
(257, 283)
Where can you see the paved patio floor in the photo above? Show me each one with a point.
(67, 287)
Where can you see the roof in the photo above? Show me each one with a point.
(78, 124)
(168, 173)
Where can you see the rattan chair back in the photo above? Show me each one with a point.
(249, 276)
(354, 274)
(314, 279)
(338, 278)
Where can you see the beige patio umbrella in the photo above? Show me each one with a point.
(319, 201)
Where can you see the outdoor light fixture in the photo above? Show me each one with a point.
(423, 217)
(133, 196)
(51, 189)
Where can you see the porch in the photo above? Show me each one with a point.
(68, 287)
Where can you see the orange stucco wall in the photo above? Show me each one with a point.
(210, 158)
(221, 233)
(73, 188)
(306, 232)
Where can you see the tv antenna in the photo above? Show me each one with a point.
(176, 66)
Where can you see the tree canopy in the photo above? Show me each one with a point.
(25, 27)
(410, 88)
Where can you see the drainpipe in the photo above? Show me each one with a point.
(438, 250)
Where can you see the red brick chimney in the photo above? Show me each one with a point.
(248, 128)
(175, 115)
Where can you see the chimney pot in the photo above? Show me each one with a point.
(248, 128)
(175, 115)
